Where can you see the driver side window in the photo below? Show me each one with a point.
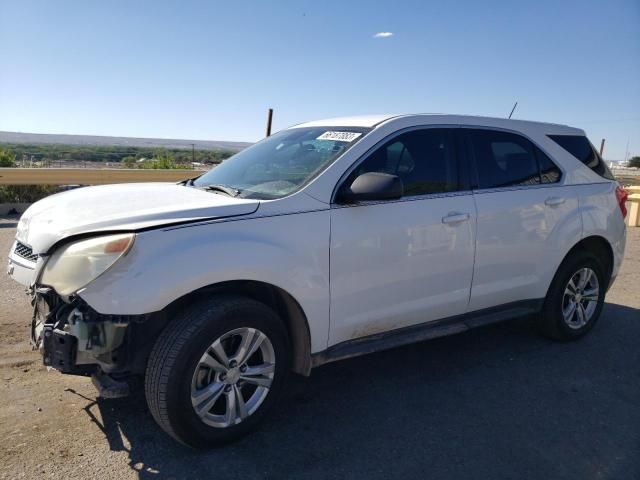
(423, 159)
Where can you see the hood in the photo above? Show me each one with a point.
(130, 206)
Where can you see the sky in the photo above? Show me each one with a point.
(210, 70)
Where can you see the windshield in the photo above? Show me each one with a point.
(282, 163)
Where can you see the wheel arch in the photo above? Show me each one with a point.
(600, 247)
(284, 304)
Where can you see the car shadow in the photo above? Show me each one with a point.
(496, 402)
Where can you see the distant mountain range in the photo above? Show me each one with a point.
(103, 141)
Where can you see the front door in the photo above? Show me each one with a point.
(408, 261)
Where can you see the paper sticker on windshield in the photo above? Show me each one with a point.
(339, 136)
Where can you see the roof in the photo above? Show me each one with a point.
(368, 121)
(371, 121)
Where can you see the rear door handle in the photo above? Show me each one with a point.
(553, 201)
(456, 218)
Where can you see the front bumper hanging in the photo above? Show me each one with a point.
(75, 339)
(59, 349)
(57, 346)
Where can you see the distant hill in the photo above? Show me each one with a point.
(103, 141)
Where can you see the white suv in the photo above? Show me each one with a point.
(324, 241)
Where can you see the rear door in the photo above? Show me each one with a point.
(524, 212)
(403, 262)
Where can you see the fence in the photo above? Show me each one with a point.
(89, 176)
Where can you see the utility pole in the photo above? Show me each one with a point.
(193, 153)
(601, 147)
(269, 119)
(626, 152)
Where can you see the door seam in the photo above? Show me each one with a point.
(330, 293)
(475, 248)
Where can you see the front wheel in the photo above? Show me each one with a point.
(575, 298)
(216, 370)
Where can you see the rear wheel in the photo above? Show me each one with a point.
(216, 370)
(575, 298)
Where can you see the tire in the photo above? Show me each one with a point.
(177, 382)
(559, 300)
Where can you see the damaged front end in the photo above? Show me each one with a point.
(72, 336)
(75, 339)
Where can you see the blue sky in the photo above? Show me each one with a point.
(210, 70)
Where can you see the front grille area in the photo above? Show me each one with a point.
(25, 251)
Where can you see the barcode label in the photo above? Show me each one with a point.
(339, 136)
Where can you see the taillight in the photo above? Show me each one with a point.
(621, 196)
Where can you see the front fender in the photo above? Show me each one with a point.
(287, 251)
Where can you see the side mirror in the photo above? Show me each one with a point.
(372, 186)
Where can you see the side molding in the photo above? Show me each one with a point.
(425, 331)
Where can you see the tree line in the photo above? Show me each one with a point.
(131, 157)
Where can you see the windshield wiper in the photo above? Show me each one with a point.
(232, 192)
(189, 182)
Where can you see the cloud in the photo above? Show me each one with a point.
(383, 35)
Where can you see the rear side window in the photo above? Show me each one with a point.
(580, 147)
(423, 159)
(503, 159)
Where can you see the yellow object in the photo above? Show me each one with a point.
(633, 215)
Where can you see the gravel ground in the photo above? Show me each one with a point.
(497, 402)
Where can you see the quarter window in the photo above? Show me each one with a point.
(503, 159)
(423, 159)
(580, 147)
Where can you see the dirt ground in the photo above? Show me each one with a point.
(498, 402)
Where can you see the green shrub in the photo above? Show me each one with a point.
(7, 159)
(25, 193)
(163, 160)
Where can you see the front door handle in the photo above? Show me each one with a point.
(553, 201)
(456, 217)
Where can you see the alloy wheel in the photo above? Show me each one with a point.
(233, 377)
(580, 298)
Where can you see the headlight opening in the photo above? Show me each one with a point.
(75, 265)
